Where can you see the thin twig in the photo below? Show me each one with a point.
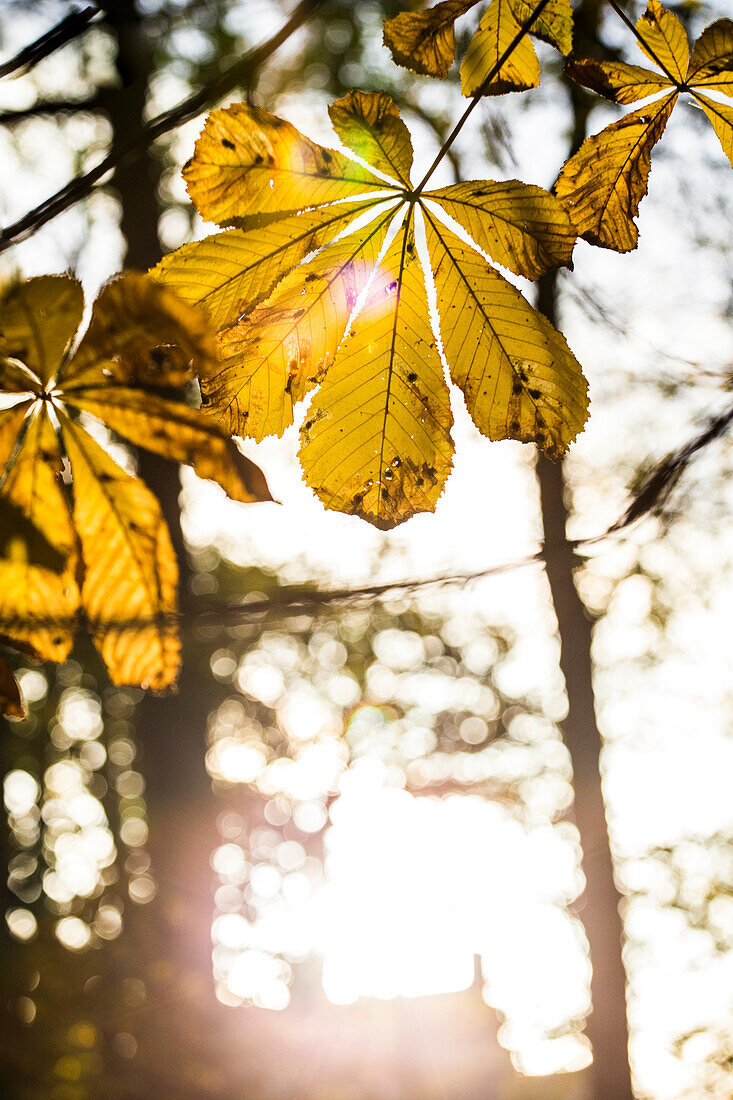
(478, 94)
(640, 38)
(52, 107)
(655, 489)
(69, 28)
(78, 188)
(284, 603)
(657, 486)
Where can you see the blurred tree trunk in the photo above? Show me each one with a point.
(607, 1026)
(171, 727)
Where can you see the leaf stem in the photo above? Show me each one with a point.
(477, 95)
(642, 41)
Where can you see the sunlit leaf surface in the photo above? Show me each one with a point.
(79, 533)
(604, 182)
(352, 321)
(424, 41)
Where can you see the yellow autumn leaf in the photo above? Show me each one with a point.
(249, 165)
(425, 41)
(228, 273)
(496, 33)
(376, 442)
(370, 124)
(519, 378)
(130, 569)
(518, 224)
(711, 63)
(553, 24)
(139, 334)
(112, 559)
(500, 54)
(617, 81)
(604, 182)
(178, 433)
(39, 596)
(351, 323)
(276, 354)
(721, 117)
(39, 321)
(663, 39)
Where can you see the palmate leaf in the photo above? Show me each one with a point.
(351, 322)
(39, 595)
(604, 182)
(424, 41)
(711, 63)
(108, 554)
(377, 439)
(130, 569)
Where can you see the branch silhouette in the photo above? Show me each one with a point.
(239, 73)
(69, 28)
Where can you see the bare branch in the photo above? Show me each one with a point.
(660, 482)
(51, 108)
(240, 73)
(69, 28)
(477, 95)
(292, 601)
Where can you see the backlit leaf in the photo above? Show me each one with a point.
(39, 597)
(248, 163)
(711, 63)
(277, 353)
(664, 40)
(178, 433)
(351, 323)
(38, 321)
(603, 184)
(554, 24)
(721, 116)
(228, 273)
(519, 225)
(113, 559)
(376, 441)
(370, 125)
(130, 570)
(140, 334)
(496, 32)
(617, 81)
(519, 378)
(424, 41)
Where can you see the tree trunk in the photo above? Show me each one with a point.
(607, 1026)
(171, 727)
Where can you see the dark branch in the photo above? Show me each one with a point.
(478, 94)
(306, 601)
(51, 108)
(658, 484)
(643, 42)
(238, 74)
(69, 28)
